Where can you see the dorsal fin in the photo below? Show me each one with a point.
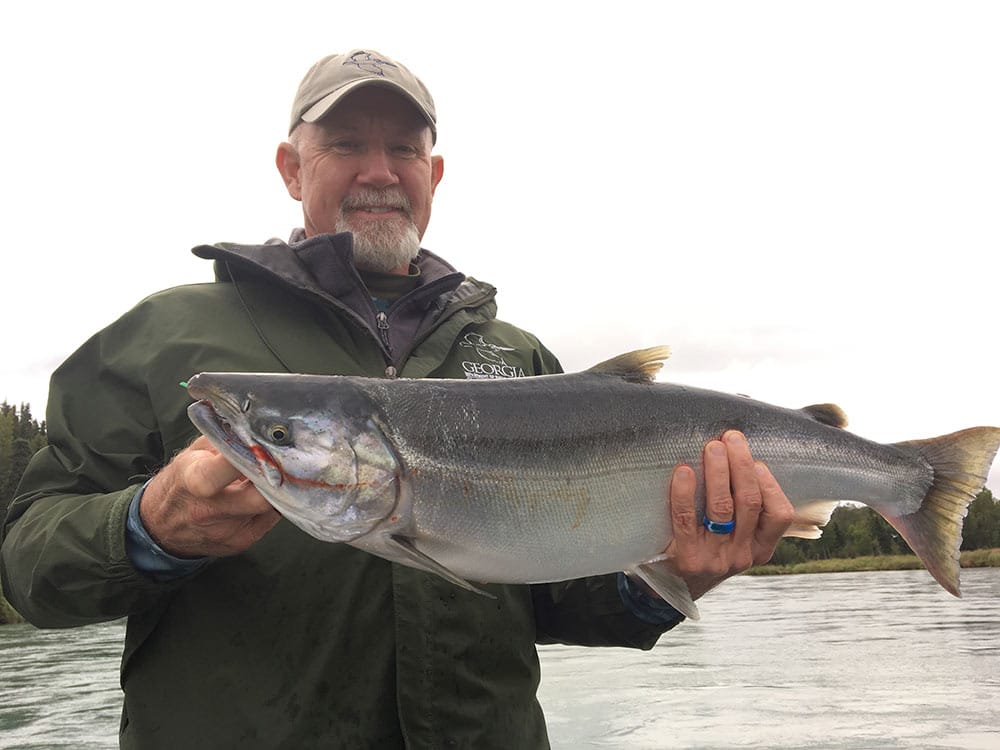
(639, 366)
(830, 414)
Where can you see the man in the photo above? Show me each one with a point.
(242, 630)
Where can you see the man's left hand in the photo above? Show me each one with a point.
(736, 488)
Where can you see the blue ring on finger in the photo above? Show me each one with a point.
(719, 528)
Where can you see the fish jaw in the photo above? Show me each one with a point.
(236, 445)
(336, 480)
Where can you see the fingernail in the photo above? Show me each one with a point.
(684, 473)
(717, 449)
(734, 437)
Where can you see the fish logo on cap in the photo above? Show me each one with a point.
(367, 62)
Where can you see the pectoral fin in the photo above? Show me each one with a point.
(668, 585)
(417, 559)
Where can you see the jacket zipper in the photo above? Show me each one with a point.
(382, 321)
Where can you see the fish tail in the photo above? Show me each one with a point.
(961, 462)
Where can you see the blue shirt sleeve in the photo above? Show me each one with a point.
(149, 557)
(647, 608)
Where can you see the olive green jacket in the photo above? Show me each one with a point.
(295, 643)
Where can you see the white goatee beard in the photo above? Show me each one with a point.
(381, 245)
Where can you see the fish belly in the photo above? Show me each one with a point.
(528, 529)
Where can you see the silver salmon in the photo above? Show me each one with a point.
(555, 477)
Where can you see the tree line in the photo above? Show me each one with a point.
(861, 532)
(20, 436)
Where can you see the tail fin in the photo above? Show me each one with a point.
(961, 463)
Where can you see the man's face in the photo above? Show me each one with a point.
(365, 168)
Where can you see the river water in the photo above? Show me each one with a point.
(850, 660)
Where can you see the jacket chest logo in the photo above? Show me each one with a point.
(491, 362)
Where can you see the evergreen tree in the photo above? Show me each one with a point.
(19, 456)
(21, 436)
(8, 420)
(982, 524)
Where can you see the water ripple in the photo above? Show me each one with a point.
(854, 661)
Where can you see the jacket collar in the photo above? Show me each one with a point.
(322, 265)
(322, 268)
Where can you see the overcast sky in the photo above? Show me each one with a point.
(801, 198)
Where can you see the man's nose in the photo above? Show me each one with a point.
(376, 169)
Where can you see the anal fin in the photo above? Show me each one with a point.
(809, 519)
(405, 547)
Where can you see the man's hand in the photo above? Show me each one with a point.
(736, 488)
(200, 506)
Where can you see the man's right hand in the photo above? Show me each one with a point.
(198, 505)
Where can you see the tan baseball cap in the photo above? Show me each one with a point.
(335, 76)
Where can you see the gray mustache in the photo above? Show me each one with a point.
(377, 199)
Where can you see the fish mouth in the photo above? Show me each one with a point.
(224, 436)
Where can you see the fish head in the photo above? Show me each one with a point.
(310, 444)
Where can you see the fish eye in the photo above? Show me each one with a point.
(279, 434)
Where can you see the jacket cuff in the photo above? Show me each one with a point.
(150, 558)
(648, 609)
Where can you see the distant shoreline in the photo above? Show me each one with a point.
(977, 558)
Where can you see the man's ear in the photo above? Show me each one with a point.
(437, 171)
(287, 161)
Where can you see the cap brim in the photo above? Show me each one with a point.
(321, 108)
